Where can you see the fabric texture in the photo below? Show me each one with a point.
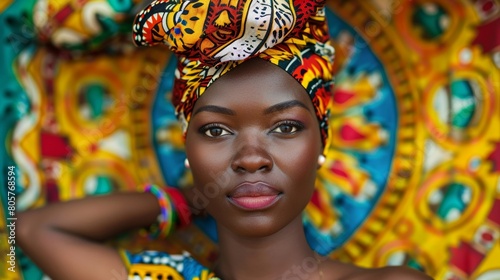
(212, 37)
(160, 265)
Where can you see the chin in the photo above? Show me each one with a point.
(255, 226)
(260, 229)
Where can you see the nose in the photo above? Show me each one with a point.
(251, 157)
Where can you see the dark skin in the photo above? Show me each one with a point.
(256, 136)
(256, 123)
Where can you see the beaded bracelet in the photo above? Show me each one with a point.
(183, 213)
(166, 217)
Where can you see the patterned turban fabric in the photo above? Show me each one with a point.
(212, 37)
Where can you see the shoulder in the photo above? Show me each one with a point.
(352, 272)
(391, 273)
(400, 272)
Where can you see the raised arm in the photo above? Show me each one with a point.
(65, 239)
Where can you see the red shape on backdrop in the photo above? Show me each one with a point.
(494, 215)
(487, 236)
(315, 200)
(64, 13)
(342, 96)
(51, 191)
(55, 146)
(339, 169)
(350, 133)
(487, 6)
(466, 258)
(486, 35)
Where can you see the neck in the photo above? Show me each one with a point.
(281, 255)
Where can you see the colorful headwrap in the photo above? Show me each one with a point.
(212, 37)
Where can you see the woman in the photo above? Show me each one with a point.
(252, 86)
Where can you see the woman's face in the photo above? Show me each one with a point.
(253, 144)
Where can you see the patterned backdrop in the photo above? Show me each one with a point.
(413, 169)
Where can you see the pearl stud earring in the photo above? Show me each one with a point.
(321, 160)
(186, 163)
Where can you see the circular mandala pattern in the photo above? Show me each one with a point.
(404, 253)
(448, 199)
(457, 109)
(431, 26)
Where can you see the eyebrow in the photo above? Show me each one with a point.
(273, 109)
(215, 109)
(285, 105)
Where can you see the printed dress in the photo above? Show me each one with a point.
(154, 265)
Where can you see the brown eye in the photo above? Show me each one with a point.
(288, 127)
(214, 131)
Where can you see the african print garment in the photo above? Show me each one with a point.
(159, 265)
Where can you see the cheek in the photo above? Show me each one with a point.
(208, 163)
(299, 158)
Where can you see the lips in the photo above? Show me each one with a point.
(254, 196)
